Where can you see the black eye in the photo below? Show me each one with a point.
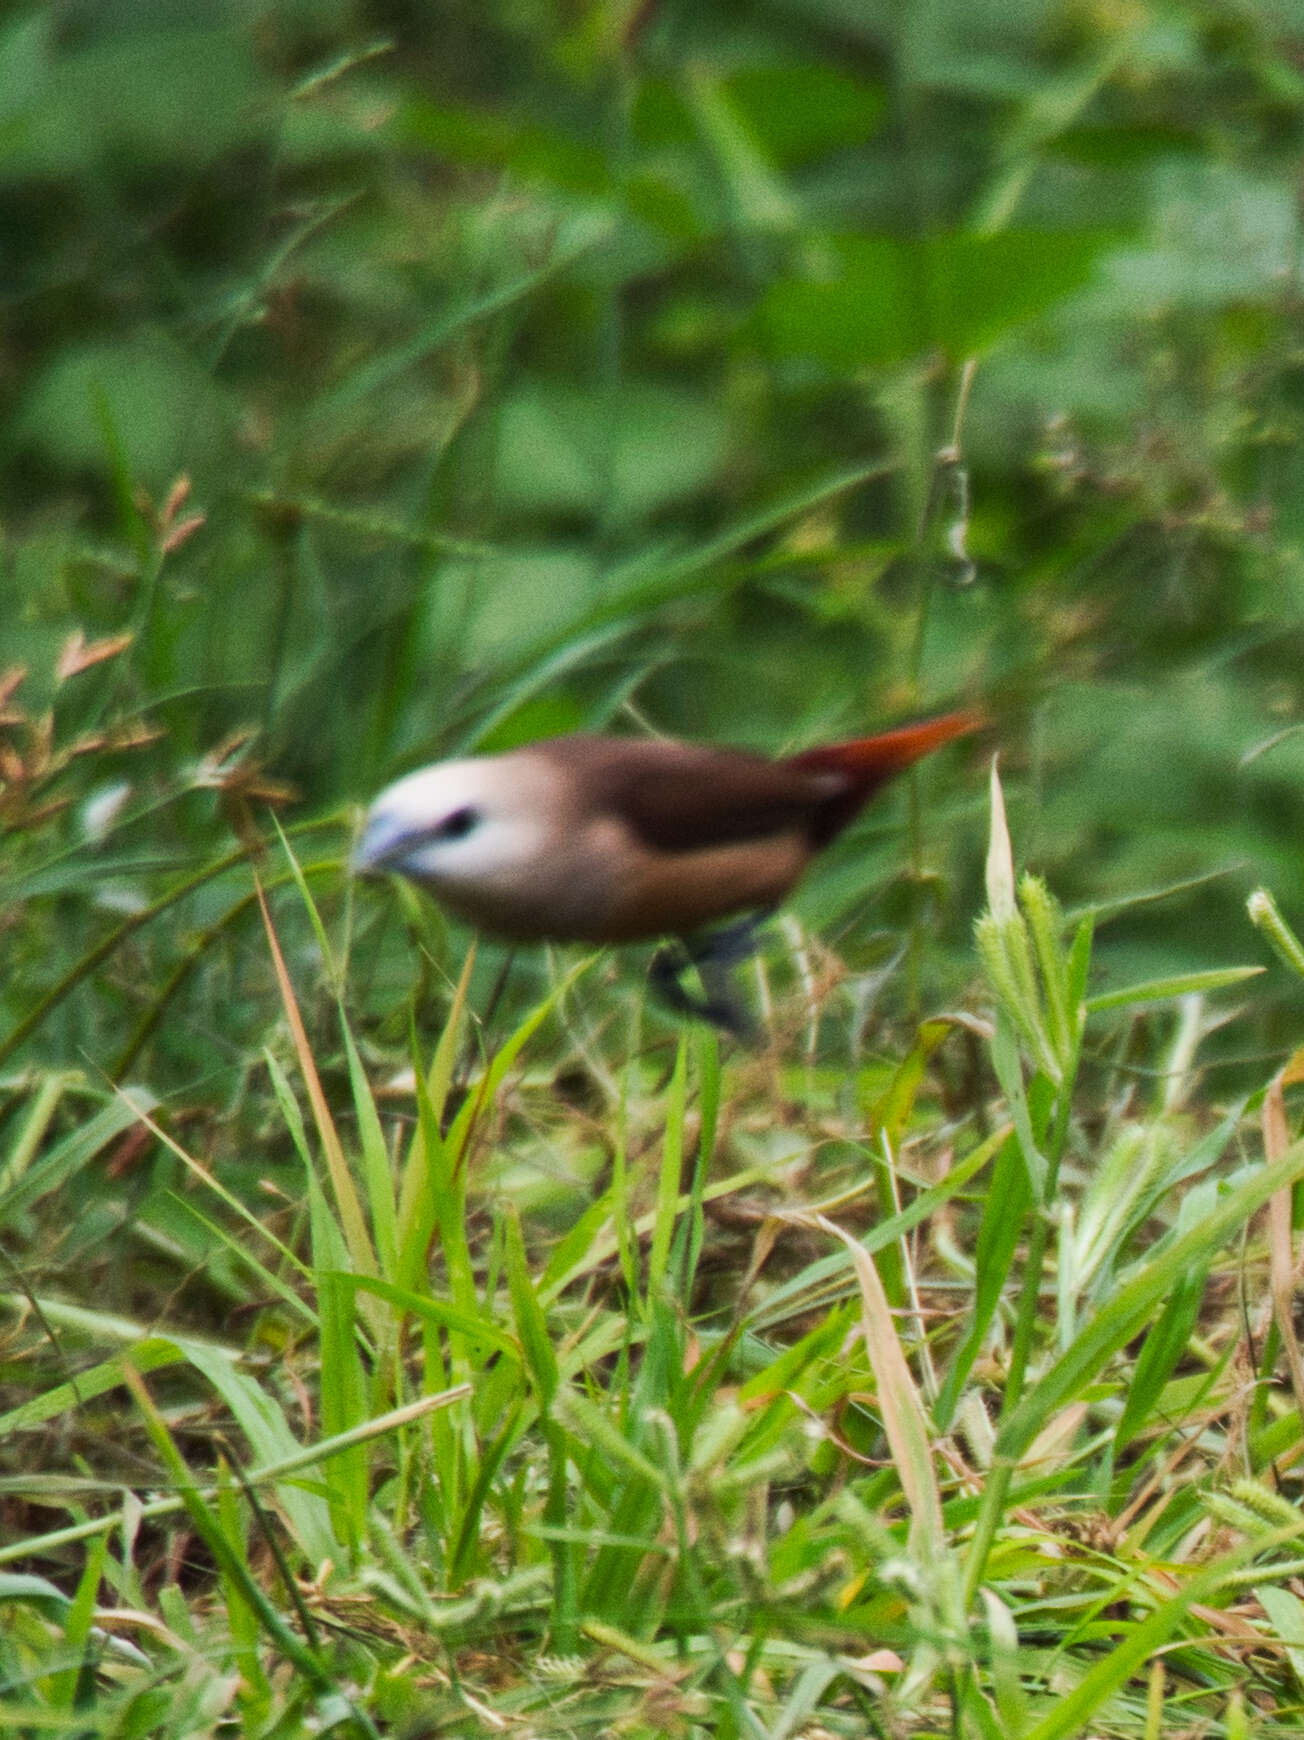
(459, 824)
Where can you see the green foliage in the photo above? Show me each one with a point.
(563, 1464)
(388, 1351)
(526, 367)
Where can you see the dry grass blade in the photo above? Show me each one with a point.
(346, 1196)
(77, 654)
(904, 1419)
(1281, 1257)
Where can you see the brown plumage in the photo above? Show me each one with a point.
(610, 839)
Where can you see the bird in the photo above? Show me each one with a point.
(613, 840)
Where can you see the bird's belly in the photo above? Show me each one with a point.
(601, 886)
(540, 911)
(676, 893)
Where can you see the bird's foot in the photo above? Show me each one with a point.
(711, 955)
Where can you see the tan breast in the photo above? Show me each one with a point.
(597, 884)
(674, 893)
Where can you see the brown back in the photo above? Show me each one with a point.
(683, 797)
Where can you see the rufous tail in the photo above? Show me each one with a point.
(878, 758)
(869, 762)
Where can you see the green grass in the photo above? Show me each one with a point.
(397, 1341)
(830, 1406)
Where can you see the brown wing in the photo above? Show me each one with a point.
(679, 797)
(683, 797)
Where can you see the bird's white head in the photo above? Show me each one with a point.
(460, 826)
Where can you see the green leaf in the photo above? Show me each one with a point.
(1072, 1713)
(1265, 915)
(1286, 1612)
(796, 112)
(531, 1324)
(68, 1157)
(672, 1156)
(887, 299)
(1005, 1061)
(1125, 1313)
(1165, 1343)
(627, 454)
(1181, 985)
(1003, 1225)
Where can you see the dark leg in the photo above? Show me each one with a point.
(712, 955)
(665, 975)
(736, 942)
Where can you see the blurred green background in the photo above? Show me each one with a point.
(763, 372)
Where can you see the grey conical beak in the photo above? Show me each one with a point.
(384, 840)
